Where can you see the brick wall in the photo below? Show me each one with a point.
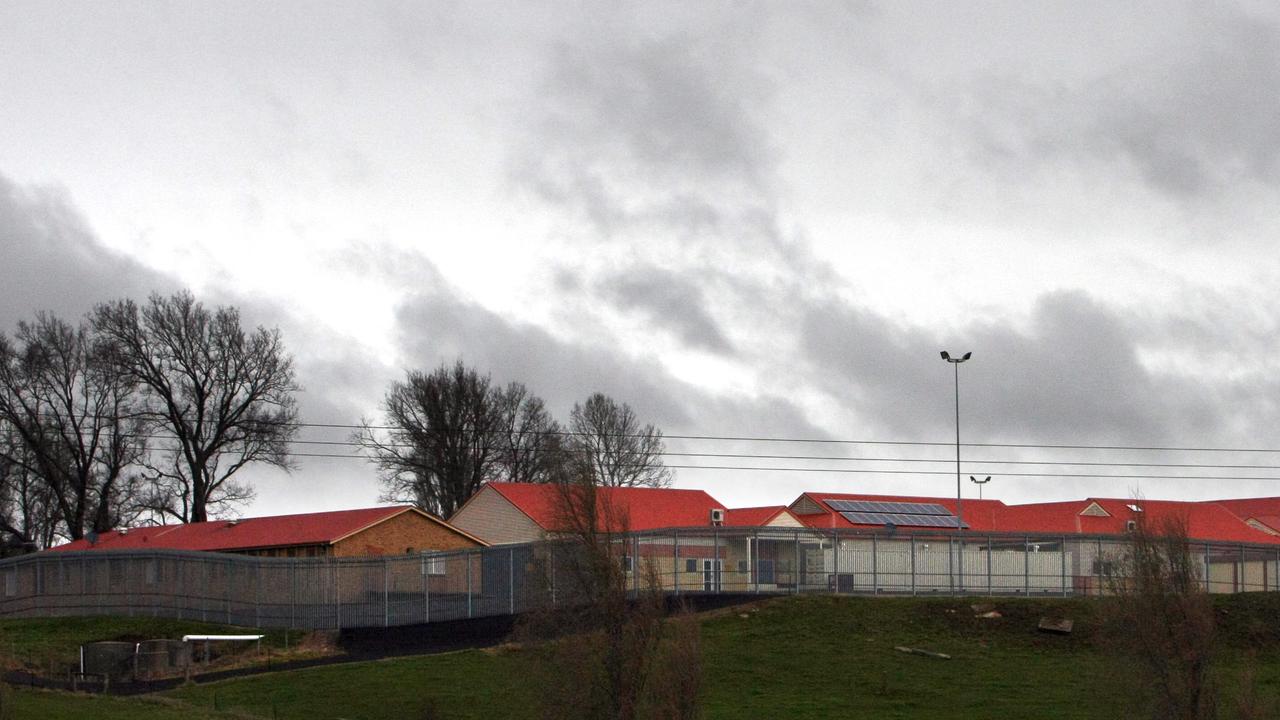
(408, 532)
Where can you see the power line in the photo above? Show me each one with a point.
(847, 441)
(886, 471)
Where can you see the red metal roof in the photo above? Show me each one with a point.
(1205, 520)
(755, 516)
(320, 528)
(644, 508)
(1246, 508)
(978, 514)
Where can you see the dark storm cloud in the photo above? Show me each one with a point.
(655, 143)
(53, 262)
(670, 300)
(646, 133)
(1073, 373)
(437, 328)
(1190, 118)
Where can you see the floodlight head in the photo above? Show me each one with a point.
(946, 356)
(966, 356)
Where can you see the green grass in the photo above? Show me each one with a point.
(33, 704)
(807, 657)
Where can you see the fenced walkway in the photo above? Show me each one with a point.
(330, 593)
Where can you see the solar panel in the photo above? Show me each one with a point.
(903, 519)
(874, 506)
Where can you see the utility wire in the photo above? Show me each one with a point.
(876, 471)
(850, 441)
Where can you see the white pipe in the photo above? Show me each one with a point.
(198, 638)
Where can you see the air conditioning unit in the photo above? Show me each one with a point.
(717, 516)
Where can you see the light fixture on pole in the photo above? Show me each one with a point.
(979, 483)
(955, 362)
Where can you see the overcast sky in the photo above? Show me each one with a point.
(744, 219)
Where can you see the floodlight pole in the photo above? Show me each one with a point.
(979, 483)
(955, 363)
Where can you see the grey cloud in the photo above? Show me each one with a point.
(660, 104)
(437, 327)
(669, 300)
(373, 258)
(53, 262)
(1073, 374)
(643, 134)
(1191, 118)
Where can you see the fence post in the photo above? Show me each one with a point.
(257, 595)
(795, 571)
(990, 562)
(226, 593)
(1062, 550)
(754, 557)
(1240, 587)
(552, 562)
(635, 565)
(715, 561)
(1026, 566)
(511, 578)
(426, 588)
(468, 557)
(951, 564)
(835, 560)
(675, 559)
(875, 565)
(1097, 568)
(913, 564)
(1208, 585)
(386, 593)
(337, 593)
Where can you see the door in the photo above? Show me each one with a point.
(711, 575)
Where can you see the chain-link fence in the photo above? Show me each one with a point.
(423, 588)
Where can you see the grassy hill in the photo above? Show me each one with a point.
(806, 657)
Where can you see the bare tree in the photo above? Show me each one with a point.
(28, 516)
(73, 434)
(221, 397)
(437, 444)
(529, 442)
(446, 433)
(626, 659)
(1162, 621)
(608, 439)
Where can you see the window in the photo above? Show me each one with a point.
(743, 566)
(152, 572)
(691, 565)
(11, 583)
(628, 563)
(433, 565)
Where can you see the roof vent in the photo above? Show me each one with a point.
(233, 523)
(1134, 507)
(92, 537)
(717, 516)
(1131, 525)
(123, 531)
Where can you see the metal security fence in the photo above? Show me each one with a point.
(323, 593)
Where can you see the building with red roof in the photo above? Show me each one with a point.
(818, 510)
(768, 516)
(504, 513)
(1244, 521)
(391, 530)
